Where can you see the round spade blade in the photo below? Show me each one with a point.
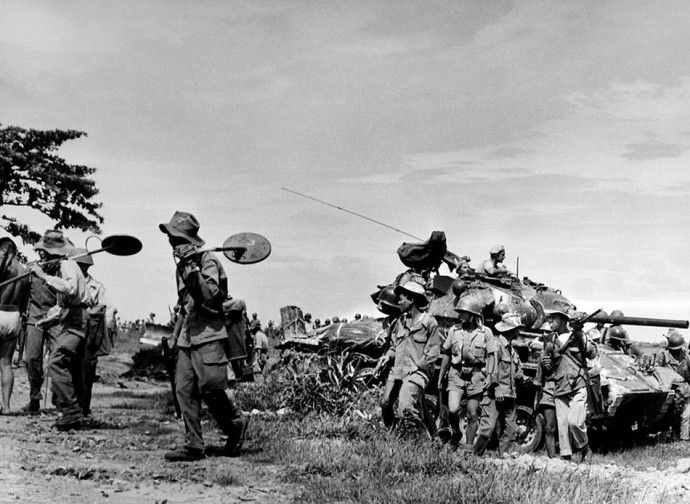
(248, 248)
(121, 245)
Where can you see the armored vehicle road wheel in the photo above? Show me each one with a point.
(528, 442)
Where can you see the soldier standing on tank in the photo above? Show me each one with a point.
(308, 324)
(616, 337)
(466, 350)
(499, 406)
(414, 349)
(570, 375)
(676, 357)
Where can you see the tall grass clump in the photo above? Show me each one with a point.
(323, 383)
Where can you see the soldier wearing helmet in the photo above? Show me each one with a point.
(676, 357)
(494, 266)
(414, 349)
(570, 377)
(465, 353)
(308, 324)
(317, 324)
(617, 339)
(546, 381)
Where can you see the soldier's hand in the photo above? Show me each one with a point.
(38, 271)
(546, 363)
(499, 396)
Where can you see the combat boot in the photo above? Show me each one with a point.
(236, 438)
(184, 454)
(32, 407)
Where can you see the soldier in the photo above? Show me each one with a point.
(254, 321)
(414, 348)
(327, 322)
(570, 375)
(676, 357)
(68, 333)
(260, 350)
(308, 324)
(317, 324)
(499, 401)
(465, 356)
(41, 299)
(494, 266)
(99, 315)
(358, 317)
(546, 383)
(202, 342)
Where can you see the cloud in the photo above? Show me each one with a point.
(508, 153)
(653, 149)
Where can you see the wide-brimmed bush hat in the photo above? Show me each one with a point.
(54, 242)
(416, 291)
(183, 225)
(508, 322)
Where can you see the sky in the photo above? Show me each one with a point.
(559, 129)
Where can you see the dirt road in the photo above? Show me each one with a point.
(118, 457)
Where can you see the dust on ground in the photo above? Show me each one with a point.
(118, 456)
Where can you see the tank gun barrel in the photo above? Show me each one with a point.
(640, 321)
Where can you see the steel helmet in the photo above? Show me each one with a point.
(676, 341)
(617, 333)
(388, 297)
(317, 321)
(307, 316)
(469, 304)
(617, 313)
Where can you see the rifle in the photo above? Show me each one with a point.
(170, 364)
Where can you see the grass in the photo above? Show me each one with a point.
(353, 460)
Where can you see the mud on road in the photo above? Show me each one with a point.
(118, 457)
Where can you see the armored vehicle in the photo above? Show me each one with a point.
(638, 396)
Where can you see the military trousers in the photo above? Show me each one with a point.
(65, 371)
(33, 350)
(494, 413)
(201, 374)
(409, 396)
(571, 415)
(685, 420)
(88, 375)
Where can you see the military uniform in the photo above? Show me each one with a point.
(260, 352)
(202, 359)
(571, 392)
(505, 369)
(98, 338)
(42, 298)
(415, 348)
(67, 341)
(681, 365)
(469, 351)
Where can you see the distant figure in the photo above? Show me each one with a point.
(254, 321)
(317, 323)
(152, 318)
(676, 357)
(308, 324)
(494, 266)
(358, 316)
(336, 320)
(260, 350)
(327, 322)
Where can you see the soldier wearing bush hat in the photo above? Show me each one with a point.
(503, 368)
(414, 349)
(67, 330)
(203, 341)
(677, 357)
